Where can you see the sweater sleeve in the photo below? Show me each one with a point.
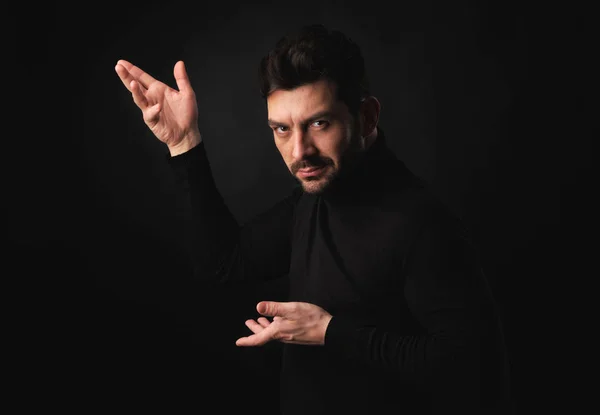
(222, 250)
(447, 294)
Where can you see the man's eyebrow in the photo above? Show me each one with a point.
(320, 114)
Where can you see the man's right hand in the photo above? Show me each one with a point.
(170, 114)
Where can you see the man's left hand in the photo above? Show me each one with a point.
(293, 322)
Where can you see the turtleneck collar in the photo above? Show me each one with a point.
(366, 174)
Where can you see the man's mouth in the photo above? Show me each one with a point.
(311, 171)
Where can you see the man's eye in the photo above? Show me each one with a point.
(281, 129)
(320, 123)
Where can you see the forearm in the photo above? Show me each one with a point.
(213, 231)
(221, 249)
(416, 358)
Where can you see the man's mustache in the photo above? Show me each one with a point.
(308, 163)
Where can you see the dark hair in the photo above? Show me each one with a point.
(312, 53)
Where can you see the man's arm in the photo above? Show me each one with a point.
(447, 294)
(221, 249)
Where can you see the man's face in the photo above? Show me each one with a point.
(314, 132)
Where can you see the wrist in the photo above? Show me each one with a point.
(324, 325)
(187, 143)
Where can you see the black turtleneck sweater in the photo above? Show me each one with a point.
(414, 327)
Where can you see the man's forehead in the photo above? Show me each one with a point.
(302, 102)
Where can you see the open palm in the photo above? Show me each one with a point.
(172, 115)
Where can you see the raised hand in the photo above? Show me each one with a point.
(172, 115)
(293, 322)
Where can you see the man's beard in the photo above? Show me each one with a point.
(321, 184)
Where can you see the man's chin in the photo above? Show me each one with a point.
(315, 186)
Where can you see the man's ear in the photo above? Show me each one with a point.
(369, 115)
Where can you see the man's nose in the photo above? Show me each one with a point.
(302, 146)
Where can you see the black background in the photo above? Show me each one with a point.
(487, 101)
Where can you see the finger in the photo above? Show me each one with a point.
(254, 326)
(257, 339)
(263, 322)
(142, 77)
(181, 77)
(273, 308)
(124, 75)
(151, 114)
(138, 95)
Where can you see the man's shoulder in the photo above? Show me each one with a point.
(408, 192)
(417, 201)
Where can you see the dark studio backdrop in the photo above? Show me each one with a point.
(478, 98)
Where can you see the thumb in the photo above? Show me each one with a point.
(269, 308)
(181, 77)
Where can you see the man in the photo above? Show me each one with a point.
(388, 309)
